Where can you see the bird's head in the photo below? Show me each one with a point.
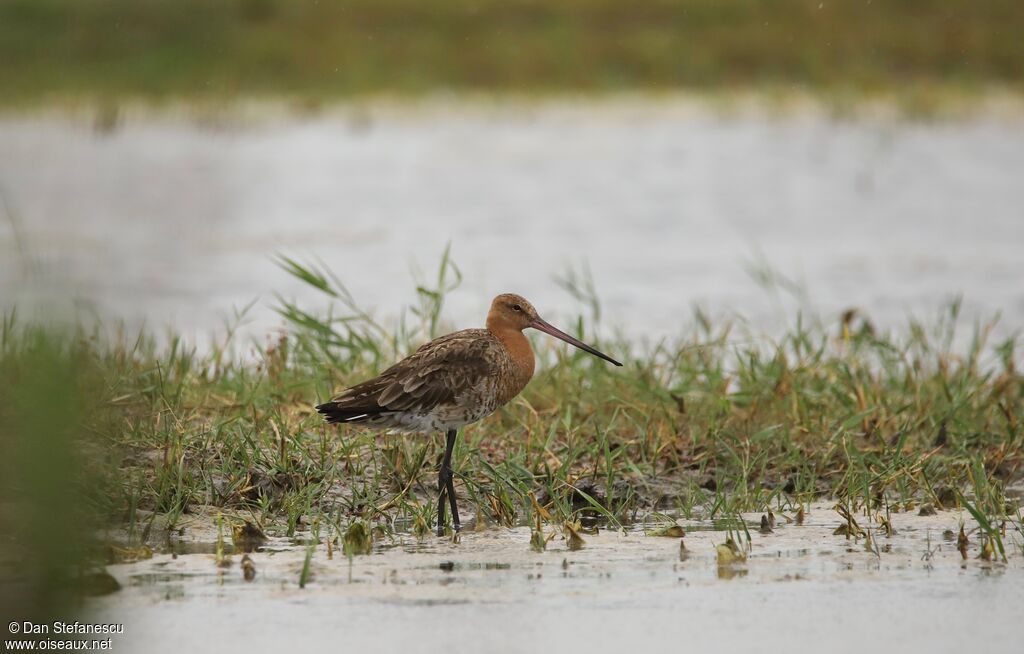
(511, 311)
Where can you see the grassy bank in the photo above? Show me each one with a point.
(327, 50)
(710, 424)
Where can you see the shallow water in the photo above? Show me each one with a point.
(802, 587)
(173, 221)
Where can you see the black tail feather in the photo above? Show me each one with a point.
(334, 413)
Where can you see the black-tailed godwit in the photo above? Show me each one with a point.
(450, 382)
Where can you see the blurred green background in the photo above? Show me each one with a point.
(155, 49)
(49, 387)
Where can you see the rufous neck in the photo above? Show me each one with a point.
(518, 347)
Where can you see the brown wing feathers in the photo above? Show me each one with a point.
(435, 375)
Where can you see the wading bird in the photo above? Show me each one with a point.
(451, 382)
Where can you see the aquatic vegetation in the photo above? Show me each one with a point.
(711, 424)
(728, 553)
(357, 539)
(305, 574)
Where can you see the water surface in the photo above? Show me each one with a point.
(174, 221)
(803, 588)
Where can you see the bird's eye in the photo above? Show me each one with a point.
(516, 307)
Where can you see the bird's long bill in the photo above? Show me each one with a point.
(548, 328)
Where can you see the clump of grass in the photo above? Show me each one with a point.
(708, 424)
(992, 537)
(357, 539)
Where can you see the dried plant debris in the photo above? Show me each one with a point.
(248, 568)
(421, 526)
(221, 558)
(480, 524)
(247, 537)
(870, 545)
(540, 511)
(668, 531)
(573, 540)
(886, 525)
(962, 542)
(850, 528)
(988, 550)
(537, 541)
(502, 509)
(729, 552)
(117, 554)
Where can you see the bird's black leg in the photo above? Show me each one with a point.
(450, 484)
(446, 486)
(442, 488)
